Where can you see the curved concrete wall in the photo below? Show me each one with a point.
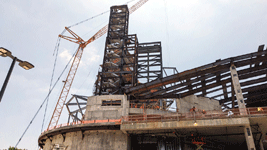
(93, 140)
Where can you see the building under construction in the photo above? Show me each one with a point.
(137, 105)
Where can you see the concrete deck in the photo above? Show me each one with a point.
(185, 124)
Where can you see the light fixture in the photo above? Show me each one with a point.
(195, 124)
(4, 52)
(26, 65)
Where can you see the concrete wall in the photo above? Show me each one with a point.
(93, 140)
(201, 103)
(139, 111)
(94, 110)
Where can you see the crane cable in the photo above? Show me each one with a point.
(95, 16)
(51, 89)
(52, 77)
(88, 19)
(46, 98)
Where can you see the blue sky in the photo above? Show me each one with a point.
(193, 33)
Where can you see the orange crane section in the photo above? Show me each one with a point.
(75, 64)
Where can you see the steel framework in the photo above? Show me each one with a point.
(118, 61)
(149, 58)
(214, 81)
(126, 62)
(76, 107)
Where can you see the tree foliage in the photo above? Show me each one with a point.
(13, 148)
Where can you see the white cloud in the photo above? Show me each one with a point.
(65, 55)
(92, 55)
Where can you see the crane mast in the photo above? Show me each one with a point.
(75, 64)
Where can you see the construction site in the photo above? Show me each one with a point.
(138, 105)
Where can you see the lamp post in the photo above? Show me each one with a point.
(24, 64)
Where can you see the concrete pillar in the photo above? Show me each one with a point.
(178, 104)
(238, 91)
(161, 104)
(180, 144)
(249, 138)
(261, 145)
(125, 105)
(129, 144)
(161, 144)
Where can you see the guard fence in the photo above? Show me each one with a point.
(176, 116)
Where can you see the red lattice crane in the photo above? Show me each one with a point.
(75, 64)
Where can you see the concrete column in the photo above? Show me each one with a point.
(249, 138)
(161, 104)
(129, 144)
(238, 91)
(261, 145)
(125, 106)
(178, 105)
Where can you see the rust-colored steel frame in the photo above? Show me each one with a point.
(149, 58)
(119, 62)
(212, 80)
(76, 108)
(115, 46)
(117, 19)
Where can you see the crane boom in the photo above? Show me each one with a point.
(76, 61)
(137, 5)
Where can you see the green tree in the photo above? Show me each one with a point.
(13, 148)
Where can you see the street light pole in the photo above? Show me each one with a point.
(24, 64)
(7, 78)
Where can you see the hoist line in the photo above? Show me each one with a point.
(130, 1)
(94, 16)
(52, 76)
(50, 86)
(83, 82)
(46, 98)
(88, 19)
(58, 42)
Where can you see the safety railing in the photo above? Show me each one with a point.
(197, 115)
(116, 121)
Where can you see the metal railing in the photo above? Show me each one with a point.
(197, 115)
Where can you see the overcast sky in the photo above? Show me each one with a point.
(192, 32)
